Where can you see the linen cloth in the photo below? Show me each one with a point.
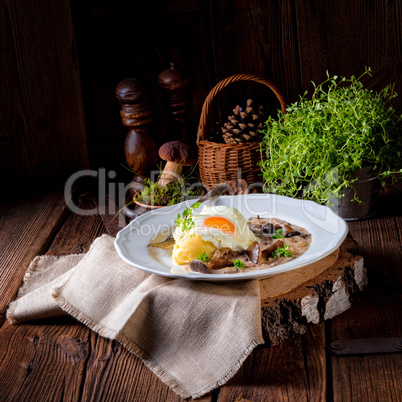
(193, 335)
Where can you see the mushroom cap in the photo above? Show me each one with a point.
(177, 152)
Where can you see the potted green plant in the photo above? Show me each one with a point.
(156, 196)
(324, 145)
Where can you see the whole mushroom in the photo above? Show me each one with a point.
(176, 154)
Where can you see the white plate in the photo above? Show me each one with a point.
(328, 231)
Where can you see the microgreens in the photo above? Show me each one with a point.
(278, 234)
(185, 220)
(173, 193)
(203, 257)
(238, 264)
(282, 252)
(313, 149)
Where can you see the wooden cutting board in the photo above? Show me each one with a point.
(317, 292)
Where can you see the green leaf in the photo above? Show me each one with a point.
(278, 234)
(282, 252)
(322, 140)
(238, 264)
(203, 257)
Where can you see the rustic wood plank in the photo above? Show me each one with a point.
(53, 355)
(344, 37)
(28, 225)
(43, 362)
(380, 239)
(376, 314)
(78, 233)
(295, 370)
(315, 362)
(42, 126)
(112, 371)
(66, 359)
(109, 52)
(259, 38)
(113, 219)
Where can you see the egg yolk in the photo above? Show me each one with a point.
(220, 223)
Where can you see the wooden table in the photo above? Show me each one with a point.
(61, 359)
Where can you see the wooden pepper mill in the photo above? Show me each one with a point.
(176, 83)
(140, 151)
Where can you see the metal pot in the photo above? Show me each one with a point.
(366, 189)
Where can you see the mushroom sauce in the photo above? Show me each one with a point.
(278, 242)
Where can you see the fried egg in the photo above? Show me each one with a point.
(223, 226)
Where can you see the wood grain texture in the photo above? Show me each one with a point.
(61, 359)
(293, 371)
(254, 37)
(43, 362)
(124, 40)
(28, 225)
(78, 233)
(51, 356)
(376, 314)
(42, 124)
(113, 373)
(344, 37)
(317, 295)
(380, 240)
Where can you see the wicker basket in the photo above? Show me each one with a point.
(221, 162)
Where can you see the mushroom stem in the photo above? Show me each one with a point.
(171, 172)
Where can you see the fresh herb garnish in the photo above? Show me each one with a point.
(238, 264)
(203, 257)
(175, 192)
(278, 234)
(282, 252)
(312, 151)
(185, 220)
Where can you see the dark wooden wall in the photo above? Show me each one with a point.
(43, 130)
(42, 125)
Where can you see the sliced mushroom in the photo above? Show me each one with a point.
(263, 229)
(254, 252)
(199, 266)
(304, 235)
(220, 263)
(293, 233)
(288, 231)
(266, 253)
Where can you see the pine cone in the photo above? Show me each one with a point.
(244, 125)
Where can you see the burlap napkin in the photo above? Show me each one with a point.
(193, 335)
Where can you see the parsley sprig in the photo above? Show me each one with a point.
(278, 234)
(238, 264)
(185, 220)
(282, 252)
(203, 257)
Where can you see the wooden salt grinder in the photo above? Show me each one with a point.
(175, 82)
(140, 149)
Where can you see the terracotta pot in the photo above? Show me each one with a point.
(150, 207)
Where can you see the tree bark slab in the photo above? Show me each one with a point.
(293, 301)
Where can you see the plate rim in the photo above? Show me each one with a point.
(259, 274)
